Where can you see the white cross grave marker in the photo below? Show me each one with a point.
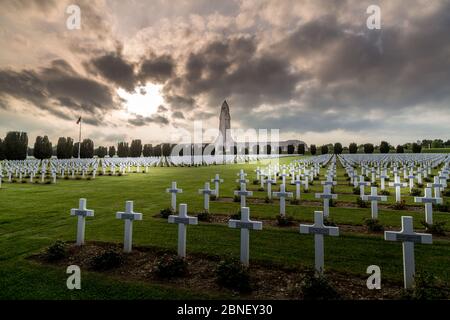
(362, 183)
(319, 230)
(374, 198)
(326, 196)
(206, 191)
(129, 216)
(245, 224)
(82, 213)
(243, 194)
(397, 184)
(428, 200)
(282, 194)
(408, 237)
(182, 219)
(217, 181)
(173, 191)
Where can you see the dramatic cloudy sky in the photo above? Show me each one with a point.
(148, 69)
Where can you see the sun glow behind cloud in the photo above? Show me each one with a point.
(144, 101)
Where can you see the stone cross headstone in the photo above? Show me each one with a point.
(282, 194)
(243, 194)
(428, 200)
(245, 224)
(326, 196)
(81, 213)
(173, 191)
(397, 185)
(319, 230)
(362, 183)
(129, 216)
(269, 182)
(206, 191)
(217, 181)
(408, 237)
(182, 219)
(297, 183)
(383, 177)
(437, 187)
(411, 178)
(374, 198)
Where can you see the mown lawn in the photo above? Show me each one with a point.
(34, 216)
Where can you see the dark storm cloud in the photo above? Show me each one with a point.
(177, 115)
(233, 67)
(57, 89)
(140, 120)
(161, 108)
(156, 68)
(114, 68)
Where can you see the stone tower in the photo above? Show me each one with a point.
(224, 123)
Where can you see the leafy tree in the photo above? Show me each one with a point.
(16, 145)
(42, 148)
(166, 149)
(353, 148)
(400, 149)
(136, 148)
(64, 148)
(123, 150)
(384, 147)
(416, 148)
(426, 143)
(148, 150)
(337, 148)
(324, 149)
(290, 149)
(369, 148)
(101, 152)
(313, 149)
(2, 150)
(437, 143)
(301, 148)
(75, 150)
(447, 143)
(87, 149)
(112, 151)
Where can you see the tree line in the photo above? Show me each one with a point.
(15, 147)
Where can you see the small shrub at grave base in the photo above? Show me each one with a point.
(346, 174)
(285, 221)
(260, 189)
(426, 287)
(268, 200)
(306, 191)
(361, 203)
(374, 184)
(212, 197)
(446, 193)
(348, 179)
(107, 260)
(204, 216)
(332, 203)
(442, 207)
(436, 228)
(13, 180)
(233, 275)
(56, 251)
(100, 173)
(120, 174)
(373, 225)
(78, 178)
(255, 182)
(387, 179)
(24, 181)
(36, 181)
(427, 179)
(366, 179)
(236, 216)
(236, 199)
(294, 201)
(329, 222)
(66, 178)
(419, 185)
(165, 213)
(385, 193)
(356, 190)
(170, 266)
(110, 174)
(316, 178)
(399, 205)
(318, 287)
(88, 178)
(415, 192)
(48, 182)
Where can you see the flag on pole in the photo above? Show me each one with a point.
(79, 120)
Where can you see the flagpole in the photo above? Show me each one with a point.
(79, 141)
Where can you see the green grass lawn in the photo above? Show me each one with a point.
(32, 217)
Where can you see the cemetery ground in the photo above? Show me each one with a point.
(34, 216)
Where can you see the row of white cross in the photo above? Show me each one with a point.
(407, 235)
